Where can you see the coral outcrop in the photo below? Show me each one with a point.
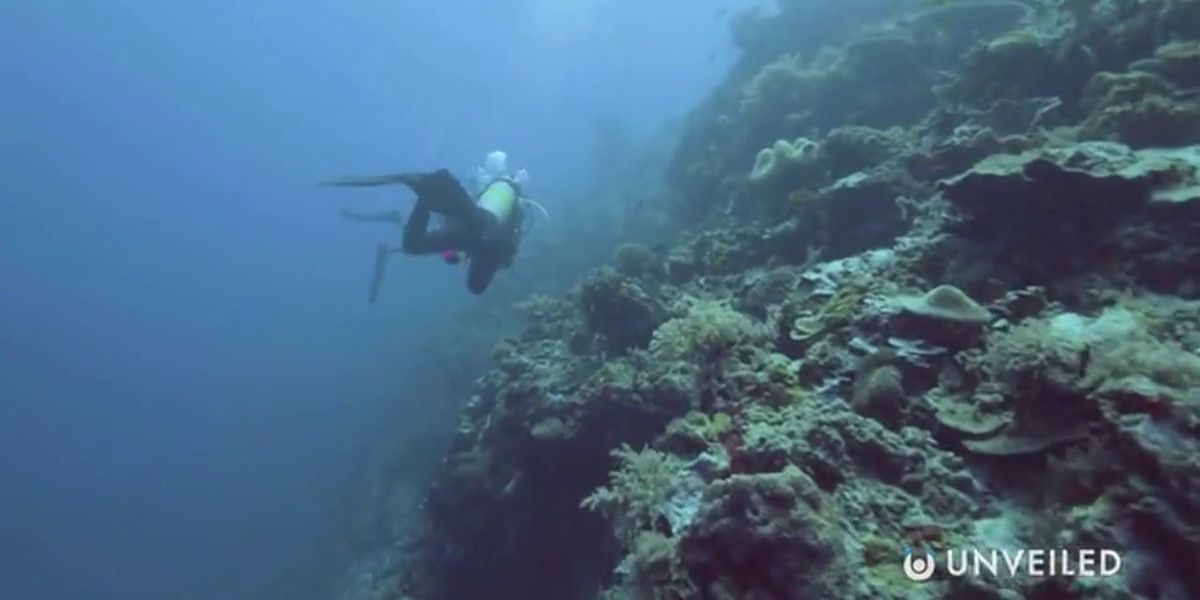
(763, 535)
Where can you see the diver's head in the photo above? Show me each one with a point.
(495, 167)
(496, 164)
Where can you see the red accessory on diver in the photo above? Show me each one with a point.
(451, 257)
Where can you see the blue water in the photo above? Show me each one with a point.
(189, 370)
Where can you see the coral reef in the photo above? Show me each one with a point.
(922, 258)
(762, 535)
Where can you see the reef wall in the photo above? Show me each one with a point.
(924, 257)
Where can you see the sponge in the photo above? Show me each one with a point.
(781, 157)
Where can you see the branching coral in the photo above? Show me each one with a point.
(640, 493)
(708, 330)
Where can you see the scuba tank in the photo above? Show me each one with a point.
(501, 198)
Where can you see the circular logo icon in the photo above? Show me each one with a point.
(918, 568)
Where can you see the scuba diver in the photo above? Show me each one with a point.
(485, 229)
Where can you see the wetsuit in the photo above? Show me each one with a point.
(488, 235)
(487, 229)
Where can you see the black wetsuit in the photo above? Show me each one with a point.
(489, 244)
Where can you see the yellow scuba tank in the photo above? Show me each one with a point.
(500, 198)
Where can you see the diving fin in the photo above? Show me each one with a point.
(381, 257)
(368, 180)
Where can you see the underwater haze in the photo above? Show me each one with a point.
(190, 373)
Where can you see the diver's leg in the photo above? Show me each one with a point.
(440, 184)
(440, 188)
(452, 236)
(443, 194)
(416, 231)
(481, 272)
(419, 239)
(437, 191)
